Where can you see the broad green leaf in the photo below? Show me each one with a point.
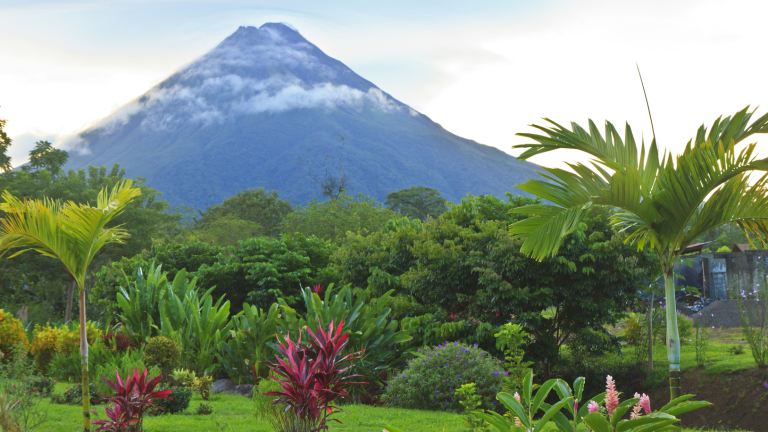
(597, 422)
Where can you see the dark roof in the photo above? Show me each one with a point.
(694, 248)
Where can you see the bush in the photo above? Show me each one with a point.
(41, 385)
(180, 402)
(635, 328)
(11, 334)
(43, 346)
(204, 409)
(118, 340)
(163, 353)
(627, 374)
(264, 404)
(69, 339)
(431, 379)
(203, 385)
(74, 395)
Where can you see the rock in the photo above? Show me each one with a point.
(244, 390)
(224, 385)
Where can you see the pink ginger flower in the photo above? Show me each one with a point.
(576, 405)
(517, 420)
(636, 409)
(593, 407)
(611, 395)
(645, 401)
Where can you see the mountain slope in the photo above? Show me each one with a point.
(264, 105)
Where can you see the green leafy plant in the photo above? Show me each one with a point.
(526, 407)
(180, 402)
(140, 303)
(366, 321)
(634, 329)
(183, 377)
(471, 402)
(736, 349)
(163, 353)
(242, 355)
(701, 344)
(430, 380)
(203, 386)
(510, 339)
(204, 409)
(753, 311)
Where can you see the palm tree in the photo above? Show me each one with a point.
(663, 204)
(73, 234)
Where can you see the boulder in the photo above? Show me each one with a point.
(244, 390)
(223, 385)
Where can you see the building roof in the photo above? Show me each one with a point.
(740, 247)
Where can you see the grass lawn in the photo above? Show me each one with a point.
(721, 360)
(234, 413)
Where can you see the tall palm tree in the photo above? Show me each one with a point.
(662, 203)
(71, 233)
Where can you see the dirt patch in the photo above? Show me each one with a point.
(721, 314)
(739, 400)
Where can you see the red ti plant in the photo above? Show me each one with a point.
(131, 401)
(318, 289)
(313, 376)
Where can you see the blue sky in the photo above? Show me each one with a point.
(483, 69)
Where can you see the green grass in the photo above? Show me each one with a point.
(236, 413)
(721, 361)
(233, 413)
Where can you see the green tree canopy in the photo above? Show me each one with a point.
(45, 156)
(263, 209)
(467, 265)
(417, 202)
(5, 142)
(334, 218)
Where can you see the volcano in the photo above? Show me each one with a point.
(267, 108)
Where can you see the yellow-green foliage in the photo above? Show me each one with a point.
(634, 328)
(184, 377)
(163, 353)
(11, 334)
(51, 340)
(203, 385)
(44, 345)
(69, 340)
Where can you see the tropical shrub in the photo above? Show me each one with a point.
(265, 407)
(43, 346)
(635, 328)
(142, 300)
(430, 380)
(69, 340)
(104, 362)
(66, 367)
(118, 341)
(131, 400)
(242, 356)
(511, 338)
(183, 377)
(629, 375)
(73, 395)
(41, 385)
(11, 335)
(203, 386)
(314, 376)
(204, 409)
(370, 332)
(8, 404)
(179, 403)
(163, 353)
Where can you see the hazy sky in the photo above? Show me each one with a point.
(482, 69)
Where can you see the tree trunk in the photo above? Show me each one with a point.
(650, 336)
(673, 339)
(84, 365)
(70, 295)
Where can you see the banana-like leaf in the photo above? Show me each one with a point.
(496, 420)
(597, 422)
(657, 419)
(684, 407)
(554, 409)
(516, 407)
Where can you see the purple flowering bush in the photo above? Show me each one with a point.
(430, 381)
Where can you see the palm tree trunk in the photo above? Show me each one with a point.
(673, 337)
(84, 365)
